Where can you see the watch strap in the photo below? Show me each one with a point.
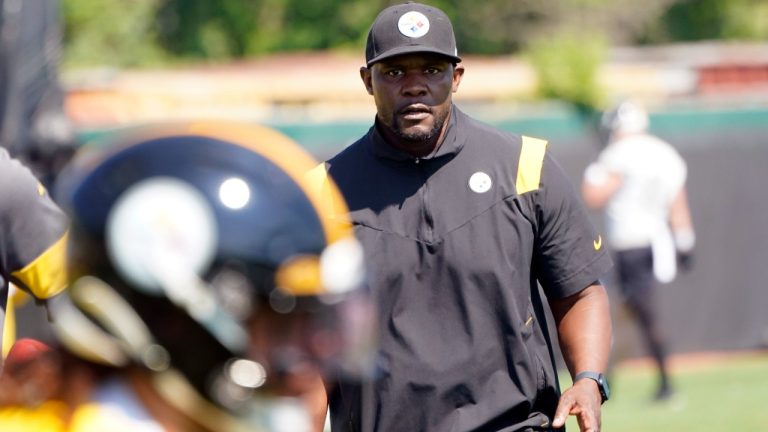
(598, 378)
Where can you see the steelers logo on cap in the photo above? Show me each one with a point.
(413, 24)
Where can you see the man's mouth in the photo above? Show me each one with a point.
(415, 112)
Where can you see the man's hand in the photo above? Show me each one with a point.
(685, 261)
(582, 400)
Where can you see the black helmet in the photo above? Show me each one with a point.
(626, 117)
(192, 247)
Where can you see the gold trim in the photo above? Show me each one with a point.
(300, 276)
(46, 275)
(529, 167)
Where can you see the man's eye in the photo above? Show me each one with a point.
(394, 73)
(432, 71)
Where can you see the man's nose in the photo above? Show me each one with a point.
(414, 85)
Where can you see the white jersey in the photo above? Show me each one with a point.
(652, 173)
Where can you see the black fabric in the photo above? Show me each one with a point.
(638, 287)
(30, 223)
(464, 343)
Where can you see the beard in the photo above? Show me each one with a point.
(418, 136)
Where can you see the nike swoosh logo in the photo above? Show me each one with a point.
(598, 243)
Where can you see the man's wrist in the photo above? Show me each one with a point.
(599, 379)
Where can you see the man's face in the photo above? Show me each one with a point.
(413, 94)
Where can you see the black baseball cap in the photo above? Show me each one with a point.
(410, 28)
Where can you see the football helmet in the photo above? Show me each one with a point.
(627, 117)
(203, 253)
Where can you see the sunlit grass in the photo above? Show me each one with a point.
(723, 394)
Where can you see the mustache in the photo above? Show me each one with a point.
(414, 107)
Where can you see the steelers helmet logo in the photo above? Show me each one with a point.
(413, 24)
(160, 224)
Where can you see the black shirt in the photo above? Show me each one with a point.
(456, 243)
(32, 235)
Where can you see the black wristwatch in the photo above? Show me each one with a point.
(602, 383)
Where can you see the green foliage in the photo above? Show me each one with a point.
(567, 67)
(129, 33)
(690, 20)
(116, 33)
(204, 29)
(139, 32)
(240, 28)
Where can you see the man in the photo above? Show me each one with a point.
(640, 181)
(209, 291)
(33, 232)
(459, 221)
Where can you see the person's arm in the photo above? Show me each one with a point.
(599, 185)
(682, 229)
(584, 330)
(34, 232)
(316, 402)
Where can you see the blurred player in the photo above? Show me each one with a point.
(640, 181)
(33, 232)
(209, 291)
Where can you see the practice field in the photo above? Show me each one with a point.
(713, 394)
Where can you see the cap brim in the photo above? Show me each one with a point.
(410, 49)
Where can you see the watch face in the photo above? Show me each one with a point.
(604, 389)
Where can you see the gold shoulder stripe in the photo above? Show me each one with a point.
(330, 201)
(529, 167)
(46, 276)
(317, 178)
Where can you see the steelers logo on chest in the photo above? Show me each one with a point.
(480, 182)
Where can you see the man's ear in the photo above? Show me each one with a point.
(365, 75)
(458, 73)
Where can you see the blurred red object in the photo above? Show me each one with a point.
(24, 351)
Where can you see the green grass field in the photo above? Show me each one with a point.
(726, 394)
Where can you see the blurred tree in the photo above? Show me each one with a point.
(240, 28)
(690, 20)
(145, 31)
(127, 33)
(118, 33)
(567, 65)
(208, 29)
